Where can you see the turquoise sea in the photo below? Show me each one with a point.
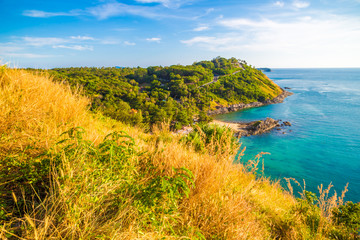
(323, 144)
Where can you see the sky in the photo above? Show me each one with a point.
(265, 33)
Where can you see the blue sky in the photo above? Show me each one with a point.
(265, 33)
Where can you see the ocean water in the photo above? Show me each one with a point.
(323, 144)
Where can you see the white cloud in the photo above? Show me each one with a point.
(107, 10)
(217, 44)
(116, 9)
(201, 39)
(101, 12)
(279, 4)
(244, 22)
(154, 39)
(43, 14)
(127, 43)
(43, 41)
(28, 47)
(83, 38)
(58, 42)
(75, 47)
(110, 42)
(9, 47)
(201, 28)
(317, 40)
(29, 55)
(71, 42)
(306, 18)
(300, 4)
(166, 3)
(209, 10)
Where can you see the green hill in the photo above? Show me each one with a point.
(175, 94)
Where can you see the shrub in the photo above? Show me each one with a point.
(213, 139)
(348, 216)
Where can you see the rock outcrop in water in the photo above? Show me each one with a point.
(257, 127)
(263, 126)
(252, 128)
(286, 123)
(240, 106)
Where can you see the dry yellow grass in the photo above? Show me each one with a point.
(35, 110)
(227, 202)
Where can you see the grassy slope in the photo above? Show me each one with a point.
(88, 198)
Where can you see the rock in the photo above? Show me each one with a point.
(259, 127)
(287, 88)
(286, 123)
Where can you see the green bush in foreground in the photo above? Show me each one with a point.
(348, 216)
(342, 221)
(87, 187)
(212, 138)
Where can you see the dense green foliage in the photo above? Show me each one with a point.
(207, 136)
(175, 94)
(114, 164)
(348, 216)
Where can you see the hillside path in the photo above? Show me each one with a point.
(216, 78)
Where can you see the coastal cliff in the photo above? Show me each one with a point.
(236, 107)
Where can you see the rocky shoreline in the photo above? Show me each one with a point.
(240, 106)
(255, 127)
(248, 128)
(242, 129)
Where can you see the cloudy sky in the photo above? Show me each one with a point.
(265, 33)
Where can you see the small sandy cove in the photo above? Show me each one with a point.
(237, 127)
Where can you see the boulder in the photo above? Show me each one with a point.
(259, 127)
(286, 123)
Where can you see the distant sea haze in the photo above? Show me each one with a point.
(323, 144)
